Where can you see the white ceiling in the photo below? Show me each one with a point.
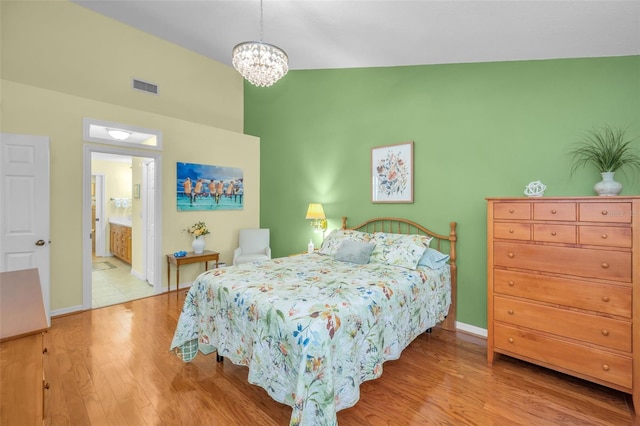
(319, 34)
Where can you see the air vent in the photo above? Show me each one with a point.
(145, 86)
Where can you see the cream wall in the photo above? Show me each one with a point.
(56, 70)
(31, 110)
(61, 46)
(118, 177)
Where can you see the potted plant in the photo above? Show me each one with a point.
(609, 150)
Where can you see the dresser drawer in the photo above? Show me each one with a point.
(554, 233)
(21, 381)
(606, 264)
(605, 212)
(554, 211)
(608, 332)
(613, 236)
(597, 297)
(550, 351)
(512, 211)
(512, 231)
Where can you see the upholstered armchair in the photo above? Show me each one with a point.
(253, 245)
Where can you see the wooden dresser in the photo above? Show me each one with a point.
(23, 354)
(564, 286)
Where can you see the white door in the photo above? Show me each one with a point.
(100, 225)
(24, 211)
(149, 203)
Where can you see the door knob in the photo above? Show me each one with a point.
(40, 242)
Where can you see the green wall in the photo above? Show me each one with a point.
(480, 130)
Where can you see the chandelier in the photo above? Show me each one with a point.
(261, 64)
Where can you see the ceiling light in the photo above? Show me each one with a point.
(118, 134)
(261, 64)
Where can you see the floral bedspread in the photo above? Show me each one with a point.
(311, 329)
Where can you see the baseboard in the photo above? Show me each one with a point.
(186, 286)
(138, 275)
(66, 311)
(471, 329)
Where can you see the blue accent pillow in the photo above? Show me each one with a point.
(354, 252)
(433, 259)
(332, 242)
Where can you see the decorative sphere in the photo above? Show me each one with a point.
(535, 189)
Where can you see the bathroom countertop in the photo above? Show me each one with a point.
(120, 220)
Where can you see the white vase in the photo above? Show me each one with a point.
(198, 245)
(607, 186)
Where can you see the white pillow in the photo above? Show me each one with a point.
(399, 249)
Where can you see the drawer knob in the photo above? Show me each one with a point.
(604, 236)
(605, 265)
(605, 298)
(605, 367)
(511, 255)
(511, 283)
(511, 210)
(510, 311)
(605, 332)
(553, 233)
(604, 212)
(510, 339)
(511, 231)
(553, 211)
(47, 386)
(45, 351)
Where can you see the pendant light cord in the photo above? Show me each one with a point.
(261, 20)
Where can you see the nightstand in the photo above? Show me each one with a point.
(206, 257)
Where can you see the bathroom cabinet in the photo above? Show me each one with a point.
(120, 242)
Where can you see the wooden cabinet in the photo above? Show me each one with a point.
(23, 351)
(24, 381)
(563, 286)
(120, 242)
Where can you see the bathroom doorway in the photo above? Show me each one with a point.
(119, 267)
(122, 199)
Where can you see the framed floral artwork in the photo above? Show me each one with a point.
(392, 173)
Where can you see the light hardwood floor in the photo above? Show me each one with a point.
(112, 366)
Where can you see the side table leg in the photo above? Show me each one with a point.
(177, 282)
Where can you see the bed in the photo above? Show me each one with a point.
(312, 327)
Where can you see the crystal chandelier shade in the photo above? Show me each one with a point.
(261, 64)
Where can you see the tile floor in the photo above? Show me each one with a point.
(113, 283)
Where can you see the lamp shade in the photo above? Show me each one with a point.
(315, 211)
